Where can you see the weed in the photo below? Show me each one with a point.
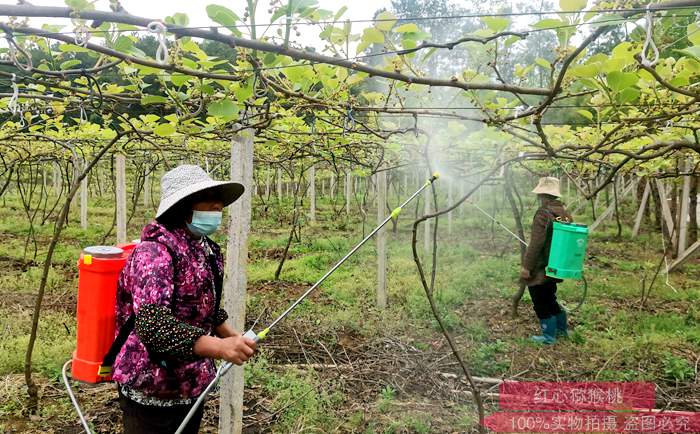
(487, 358)
(677, 368)
(295, 396)
(387, 397)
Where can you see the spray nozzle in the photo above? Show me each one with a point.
(436, 176)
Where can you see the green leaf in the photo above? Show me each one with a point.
(572, 5)
(589, 15)
(297, 6)
(112, 88)
(224, 16)
(584, 71)
(70, 48)
(373, 36)
(68, 64)
(225, 108)
(607, 20)
(271, 59)
(179, 19)
(621, 80)
(693, 51)
(153, 99)
(370, 36)
(125, 44)
(543, 63)
(164, 130)
(496, 24)
(547, 23)
(340, 12)
(179, 79)
(407, 28)
(244, 90)
(586, 114)
(80, 5)
(385, 21)
(409, 44)
(511, 40)
(628, 95)
(693, 32)
(625, 52)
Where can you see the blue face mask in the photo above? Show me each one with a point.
(204, 222)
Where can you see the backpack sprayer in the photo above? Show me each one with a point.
(99, 269)
(567, 250)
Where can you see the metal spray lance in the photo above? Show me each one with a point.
(257, 337)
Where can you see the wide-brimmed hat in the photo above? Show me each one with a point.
(189, 179)
(548, 185)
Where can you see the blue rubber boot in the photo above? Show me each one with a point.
(549, 331)
(562, 324)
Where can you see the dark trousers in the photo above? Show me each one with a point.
(148, 419)
(544, 299)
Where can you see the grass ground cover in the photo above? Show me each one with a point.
(338, 364)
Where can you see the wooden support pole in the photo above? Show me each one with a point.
(57, 178)
(84, 200)
(642, 208)
(665, 209)
(147, 190)
(611, 208)
(428, 197)
(312, 193)
(234, 291)
(375, 189)
(687, 254)
(449, 202)
(348, 191)
(683, 217)
(333, 185)
(43, 180)
(120, 176)
(381, 240)
(279, 184)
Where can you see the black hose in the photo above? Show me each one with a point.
(583, 296)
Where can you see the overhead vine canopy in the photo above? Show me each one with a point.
(616, 85)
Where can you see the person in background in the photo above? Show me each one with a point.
(542, 288)
(170, 291)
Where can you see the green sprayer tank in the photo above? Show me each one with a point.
(567, 251)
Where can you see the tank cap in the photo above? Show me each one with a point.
(103, 251)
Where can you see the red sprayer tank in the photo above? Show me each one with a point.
(98, 272)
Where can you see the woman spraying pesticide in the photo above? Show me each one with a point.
(543, 288)
(168, 315)
(168, 306)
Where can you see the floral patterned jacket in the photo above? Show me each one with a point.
(167, 282)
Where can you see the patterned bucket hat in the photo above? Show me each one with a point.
(188, 179)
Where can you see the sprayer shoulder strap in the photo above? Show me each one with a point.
(549, 213)
(128, 326)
